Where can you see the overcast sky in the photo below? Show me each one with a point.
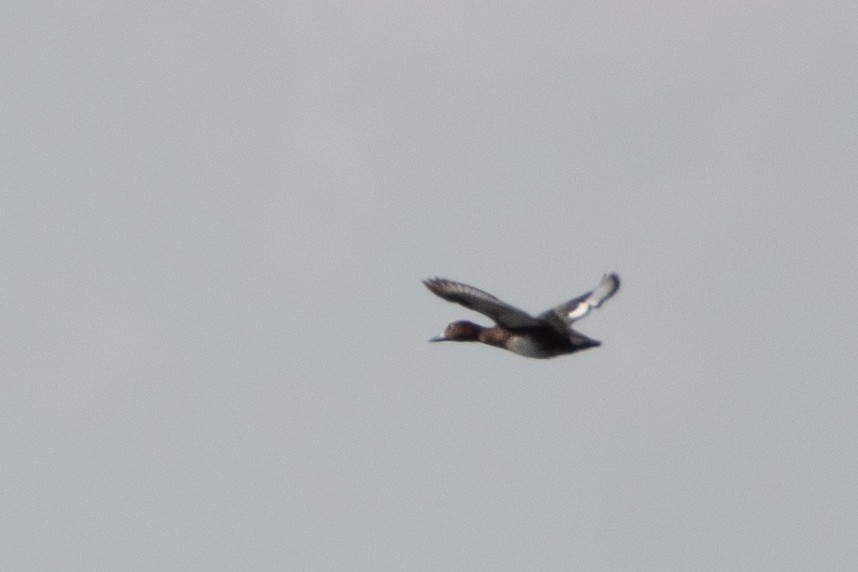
(214, 223)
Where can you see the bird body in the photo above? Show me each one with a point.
(548, 335)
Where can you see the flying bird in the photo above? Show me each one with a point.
(548, 335)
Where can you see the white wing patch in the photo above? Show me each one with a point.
(606, 288)
(579, 311)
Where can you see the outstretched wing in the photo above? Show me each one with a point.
(482, 302)
(575, 309)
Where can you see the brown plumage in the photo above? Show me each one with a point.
(547, 335)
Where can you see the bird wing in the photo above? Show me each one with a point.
(482, 302)
(577, 308)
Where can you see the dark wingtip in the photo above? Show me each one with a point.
(616, 278)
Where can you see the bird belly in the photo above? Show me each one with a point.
(528, 347)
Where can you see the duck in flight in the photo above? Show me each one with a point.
(548, 335)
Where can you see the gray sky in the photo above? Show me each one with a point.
(214, 223)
